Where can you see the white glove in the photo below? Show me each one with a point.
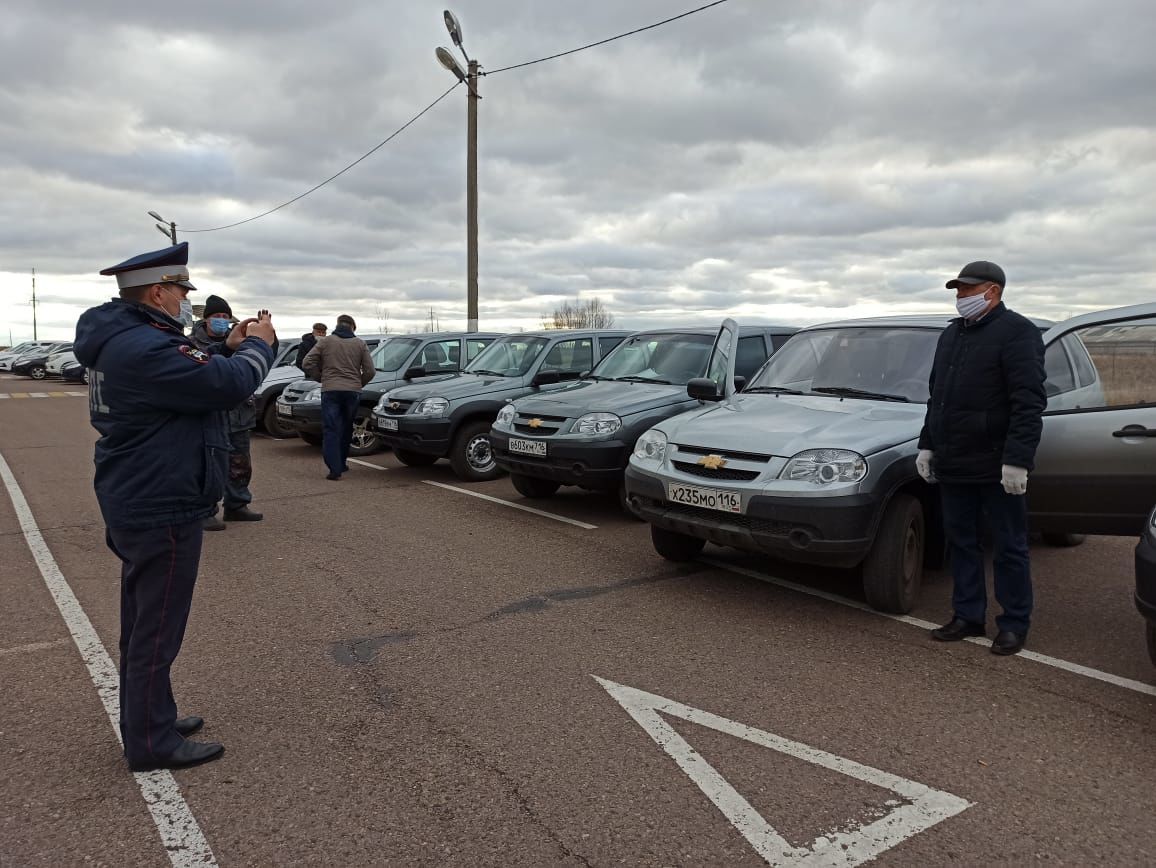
(1015, 479)
(923, 465)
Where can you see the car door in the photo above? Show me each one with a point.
(721, 365)
(1096, 464)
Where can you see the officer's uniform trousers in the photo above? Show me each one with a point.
(156, 590)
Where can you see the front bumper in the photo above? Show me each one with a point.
(825, 531)
(429, 435)
(594, 463)
(305, 415)
(1146, 576)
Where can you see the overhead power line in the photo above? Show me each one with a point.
(373, 150)
(604, 41)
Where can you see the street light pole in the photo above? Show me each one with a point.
(169, 231)
(472, 201)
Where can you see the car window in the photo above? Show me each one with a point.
(1085, 370)
(675, 358)
(1123, 361)
(475, 346)
(391, 354)
(440, 356)
(752, 352)
(720, 356)
(510, 356)
(570, 357)
(605, 345)
(1060, 376)
(777, 341)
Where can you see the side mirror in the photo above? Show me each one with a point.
(545, 378)
(413, 373)
(703, 389)
(740, 382)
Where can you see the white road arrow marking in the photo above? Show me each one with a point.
(925, 807)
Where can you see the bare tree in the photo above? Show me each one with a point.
(382, 313)
(590, 313)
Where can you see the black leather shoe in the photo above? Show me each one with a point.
(333, 477)
(242, 514)
(1006, 643)
(189, 725)
(190, 753)
(345, 468)
(213, 523)
(957, 629)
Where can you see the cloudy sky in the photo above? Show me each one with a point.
(771, 160)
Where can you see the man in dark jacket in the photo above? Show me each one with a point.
(159, 404)
(309, 341)
(979, 443)
(210, 334)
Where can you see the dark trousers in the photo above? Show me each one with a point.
(237, 492)
(964, 507)
(338, 408)
(156, 589)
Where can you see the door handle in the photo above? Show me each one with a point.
(1135, 431)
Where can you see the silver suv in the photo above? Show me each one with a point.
(814, 461)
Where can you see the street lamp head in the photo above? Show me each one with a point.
(449, 62)
(164, 230)
(157, 216)
(454, 27)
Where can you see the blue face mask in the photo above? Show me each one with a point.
(219, 327)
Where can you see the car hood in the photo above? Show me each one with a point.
(786, 425)
(456, 386)
(283, 374)
(602, 396)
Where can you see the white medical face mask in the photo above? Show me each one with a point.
(971, 306)
(186, 316)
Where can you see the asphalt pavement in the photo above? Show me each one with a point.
(405, 673)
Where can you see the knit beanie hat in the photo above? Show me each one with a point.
(216, 304)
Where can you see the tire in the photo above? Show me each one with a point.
(38, 372)
(676, 546)
(414, 459)
(472, 456)
(893, 569)
(532, 486)
(364, 442)
(310, 438)
(1063, 540)
(274, 427)
(1150, 635)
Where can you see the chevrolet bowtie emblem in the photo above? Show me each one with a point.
(393, 405)
(535, 423)
(712, 462)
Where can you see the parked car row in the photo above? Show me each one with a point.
(36, 359)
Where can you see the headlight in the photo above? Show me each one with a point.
(597, 423)
(651, 446)
(506, 416)
(432, 407)
(825, 466)
(312, 395)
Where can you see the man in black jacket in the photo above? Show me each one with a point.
(309, 341)
(979, 443)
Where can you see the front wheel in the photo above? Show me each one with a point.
(471, 455)
(532, 486)
(414, 459)
(274, 427)
(676, 546)
(893, 569)
(364, 441)
(38, 372)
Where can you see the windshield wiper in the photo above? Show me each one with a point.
(484, 372)
(775, 390)
(634, 379)
(599, 377)
(848, 392)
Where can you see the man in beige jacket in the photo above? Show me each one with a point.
(342, 364)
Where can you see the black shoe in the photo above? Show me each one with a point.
(213, 523)
(333, 477)
(344, 468)
(242, 514)
(1007, 643)
(957, 629)
(188, 725)
(190, 753)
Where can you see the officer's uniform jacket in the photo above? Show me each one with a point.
(157, 401)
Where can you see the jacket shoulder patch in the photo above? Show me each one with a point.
(193, 353)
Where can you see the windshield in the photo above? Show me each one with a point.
(670, 358)
(391, 354)
(883, 361)
(510, 356)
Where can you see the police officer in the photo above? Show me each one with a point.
(157, 402)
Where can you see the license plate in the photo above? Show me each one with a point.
(387, 424)
(528, 447)
(284, 410)
(708, 498)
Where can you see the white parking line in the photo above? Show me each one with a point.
(560, 518)
(181, 836)
(366, 464)
(1056, 662)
